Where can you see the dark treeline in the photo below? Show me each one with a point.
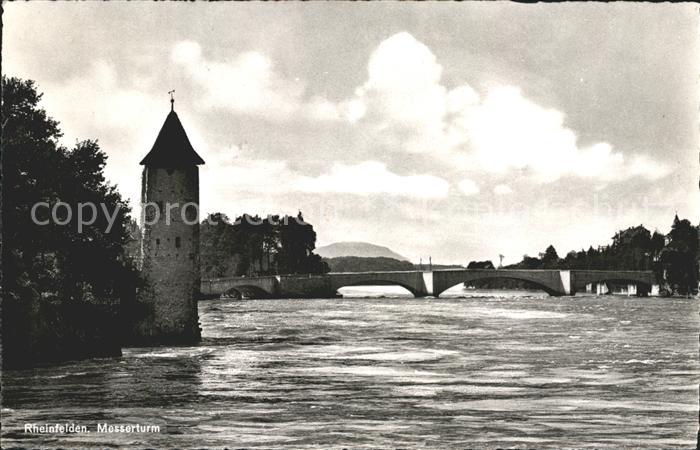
(380, 264)
(367, 264)
(253, 246)
(673, 257)
(62, 285)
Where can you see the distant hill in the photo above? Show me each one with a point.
(359, 264)
(360, 249)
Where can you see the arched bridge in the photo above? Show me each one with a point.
(257, 287)
(643, 279)
(284, 286)
(553, 282)
(413, 281)
(420, 284)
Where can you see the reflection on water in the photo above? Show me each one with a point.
(503, 369)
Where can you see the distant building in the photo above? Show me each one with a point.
(169, 257)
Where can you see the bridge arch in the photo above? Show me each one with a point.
(550, 281)
(410, 289)
(248, 291)
(254, 287)
(581, 278)
(412, 281)
(534, 284)
(643, 288)
(621, 281)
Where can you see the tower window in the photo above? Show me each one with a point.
(177, 242)
(157, 242)
(191, 212)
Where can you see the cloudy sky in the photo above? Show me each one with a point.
(459, 131)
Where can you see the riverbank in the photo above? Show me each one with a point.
(44, 333)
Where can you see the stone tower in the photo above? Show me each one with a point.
(170, 241)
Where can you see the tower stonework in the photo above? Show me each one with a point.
(169, 258)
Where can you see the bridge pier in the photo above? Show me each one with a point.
(602, 289)
(305, 286)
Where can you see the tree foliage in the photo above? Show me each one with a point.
(673, 257)
(367, 264)
(251, 245)
(480, 265)
(679, 257)
(54, 264)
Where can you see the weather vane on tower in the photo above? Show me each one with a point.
(172, 100)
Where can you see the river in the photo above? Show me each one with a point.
(498, 369)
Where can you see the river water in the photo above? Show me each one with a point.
(490, 370)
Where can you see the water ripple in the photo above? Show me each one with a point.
(497, 370)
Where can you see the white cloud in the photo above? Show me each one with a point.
(233, 183)
(401, 63)
(408, 109)
(506, 131)
(232, 174)
(110, 104)
(371, 177)
(248, 84)
(404, 107)
(468, 187)
(643, 166)
(502, 189)
(402, 101)
(227, 174)
(123, 118)
(186, 52)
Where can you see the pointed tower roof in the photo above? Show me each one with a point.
(172, 147)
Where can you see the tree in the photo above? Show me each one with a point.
(61, 282)
(658, 241)
(297, 241)
(253, 246)
(529, 262)
(480, 265)
(367, 264)
(270, 242)
(217, 247)
(249, 236)
(632, 249)
(550, 258)
(678, 258)
(574, 260)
